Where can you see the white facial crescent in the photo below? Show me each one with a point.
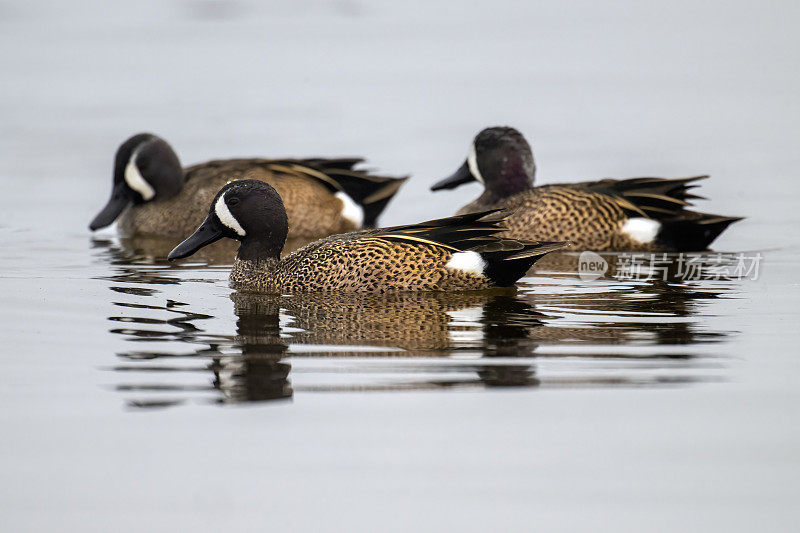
(472, 163)
(135, 180)
(226, 217)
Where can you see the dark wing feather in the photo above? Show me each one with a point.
(480, 232)
(325, 164)
(648, 197)
(459, 233)
(371, 191)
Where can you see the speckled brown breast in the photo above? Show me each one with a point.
(554, 213)
(313, 211)
(356, 263)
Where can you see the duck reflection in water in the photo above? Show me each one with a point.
(669, 295)
(412, 341)
(479, 325)
(251, 365)
(257, 372)
(246, 367)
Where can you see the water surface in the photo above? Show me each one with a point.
(142, 395)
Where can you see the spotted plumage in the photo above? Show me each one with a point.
(322, 196)
(647, 214)
(451, 254)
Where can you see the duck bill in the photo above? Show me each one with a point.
(116, 205)
(459, 177)
(210, 231)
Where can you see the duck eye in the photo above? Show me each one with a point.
(233, 201)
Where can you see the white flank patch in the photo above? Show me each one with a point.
(472, 163)
(226, 217)
(350, 210)
(471, 262)
(135, 180)
(641, 229)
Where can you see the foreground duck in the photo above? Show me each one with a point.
(647, 214)
(153, 195)
(451, 254)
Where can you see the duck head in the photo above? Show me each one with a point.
(249, 211)
(145, 168)
(499, 158)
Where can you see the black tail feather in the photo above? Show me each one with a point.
(692, 231)
(507, 265)
(378, 198)
(373, 193)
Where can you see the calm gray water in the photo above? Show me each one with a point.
(143, 396)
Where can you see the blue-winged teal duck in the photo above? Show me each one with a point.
(457, 253)
(153, 195)
(646, 214)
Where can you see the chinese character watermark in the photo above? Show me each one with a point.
(662, 266)
(591, 266)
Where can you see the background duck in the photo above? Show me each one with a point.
(647, 214)
(457, 253)
(153, 195)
